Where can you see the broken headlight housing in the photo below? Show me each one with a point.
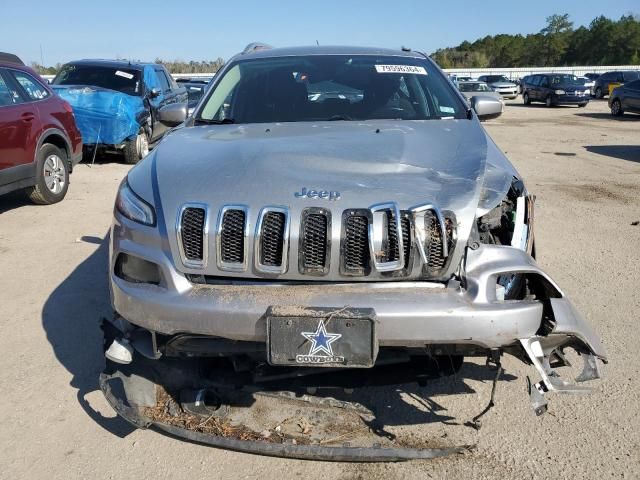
(510, 223)
(129, 204)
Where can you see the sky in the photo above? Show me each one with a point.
(205, 30)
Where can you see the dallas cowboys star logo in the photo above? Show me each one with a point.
(321, 339)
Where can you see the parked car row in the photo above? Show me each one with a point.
(90, 106)
(116, 103)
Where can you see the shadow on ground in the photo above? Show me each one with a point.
(71, 319)
(539, 105)
(630, 153)
(608, 116)
(14, 200)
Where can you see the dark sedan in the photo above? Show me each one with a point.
(625, 98)
(555, 89)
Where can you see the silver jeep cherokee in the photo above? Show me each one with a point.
(329, 207)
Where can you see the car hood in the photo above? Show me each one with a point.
(502, 84)
(257, 165)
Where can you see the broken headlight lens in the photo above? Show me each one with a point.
(133, 207)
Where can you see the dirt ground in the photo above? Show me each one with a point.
(584, 167)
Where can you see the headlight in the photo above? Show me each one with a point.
(133, 207)
(559, 92)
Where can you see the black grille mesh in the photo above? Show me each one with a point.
(405, 224)
(192, 233)
(314, 238)
(232, 236)
(356, 244)
(393, 251)
(436, 259)
(271, 243)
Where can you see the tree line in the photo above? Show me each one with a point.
(602, 42)
(174, 66)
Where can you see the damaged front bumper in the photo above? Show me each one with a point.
(467, 314)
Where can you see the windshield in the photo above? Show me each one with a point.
(123, 80)
(565, 80)
(474, 87)
(497, 78)
(331, 87)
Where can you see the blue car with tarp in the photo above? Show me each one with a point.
(116, 103)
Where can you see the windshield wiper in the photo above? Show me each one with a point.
(339, 117)
(211, 121)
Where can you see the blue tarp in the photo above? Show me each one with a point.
(102, 115)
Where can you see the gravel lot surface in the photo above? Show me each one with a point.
(584, 167)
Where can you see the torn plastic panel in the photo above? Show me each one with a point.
(561, 327)
(104, 116)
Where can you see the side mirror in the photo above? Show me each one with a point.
(486, 107)
(155, 92)
(173, 114)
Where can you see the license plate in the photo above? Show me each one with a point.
(321, 337)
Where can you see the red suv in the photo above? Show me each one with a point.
(39, 140)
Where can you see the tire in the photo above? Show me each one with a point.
(616, 108)
(136, 149)
(52, 176)
(599, 94)
(582, 105)
(526, 99)
(548, 102)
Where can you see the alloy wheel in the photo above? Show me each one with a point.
(143, 145)
(55, 174)
(615, 108)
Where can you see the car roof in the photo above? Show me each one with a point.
(326, 50)
(22, 67)
(10, 58)
(112, 63)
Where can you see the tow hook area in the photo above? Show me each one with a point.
(546, 353)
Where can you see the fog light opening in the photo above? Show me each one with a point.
(137, 270)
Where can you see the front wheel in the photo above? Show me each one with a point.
(582, 105)
(526, 99)
(599, 94)
(136, 149)
(616, 108)
(52, 176)
(547, 101)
